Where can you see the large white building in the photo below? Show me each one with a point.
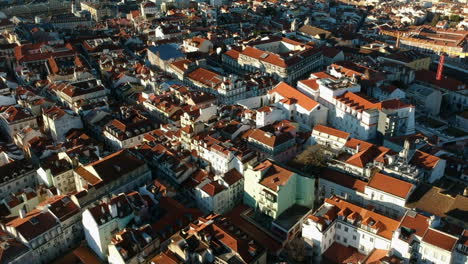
(421, 239)
(15, 176)
(221, 195)
(197, 44)
(58, 122)
(118, 172)
(386, 194)
(353, 112)
(50, 229)
(282, 58)
(296, 106)
(58, 173)
(102, 221)
(350, 225)
(14, 119)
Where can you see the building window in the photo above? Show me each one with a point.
(338, 226)
(346, 229)
(345, 240)
(338, 237)
(371, 239)
(354, 237)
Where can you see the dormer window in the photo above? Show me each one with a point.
(34, 221)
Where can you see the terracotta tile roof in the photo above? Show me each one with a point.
(36, 52)
(233, 53)
(197, 40)
(54, 112)
(101, 213)
(313, 31)
(392, 104)
(350, 68)
(288, 92)
(367, 153)
(390, 185)
(322, 75)
(265, 56)
(13, 114)
(232, 176)
(213, 188)
(235, 216)
(436, 201)
(11, 249)
(274, 175)
(447, 83)
(378, 256)
(439, 239)
(340, 254)
(86, 255)
(206, 77)
(357, 101)
(175, 215)
(419, 223)
(354, 142)
(385, 226)
(311, 83)
(88, 176)
(424, 160)
(181, 65)
(166, 257)
(342, 179)
(332, 131)
(34, 224)
(115, 165)
(330, 52)
(268, 138)
(61, 206)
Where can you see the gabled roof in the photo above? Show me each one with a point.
(448, 83)
(232, 176)
(314, 31)
(273, 175)
(62, 207)
(310, 83)
(343, 179)
(417, 222)
(34, 224)
(269, 138)
(206, 77)
(295, 96)
(424, 160)
(213, 188)
(384, 225)
(439, 239)
(390, 185)
(331, 131)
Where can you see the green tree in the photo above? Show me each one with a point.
(311, 159)
(435, 19)
(455, 18)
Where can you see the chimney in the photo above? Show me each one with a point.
(434, 221)
(398, 41)
(22, 212)
(440, 68)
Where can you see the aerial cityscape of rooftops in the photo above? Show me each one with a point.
(234, 131)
